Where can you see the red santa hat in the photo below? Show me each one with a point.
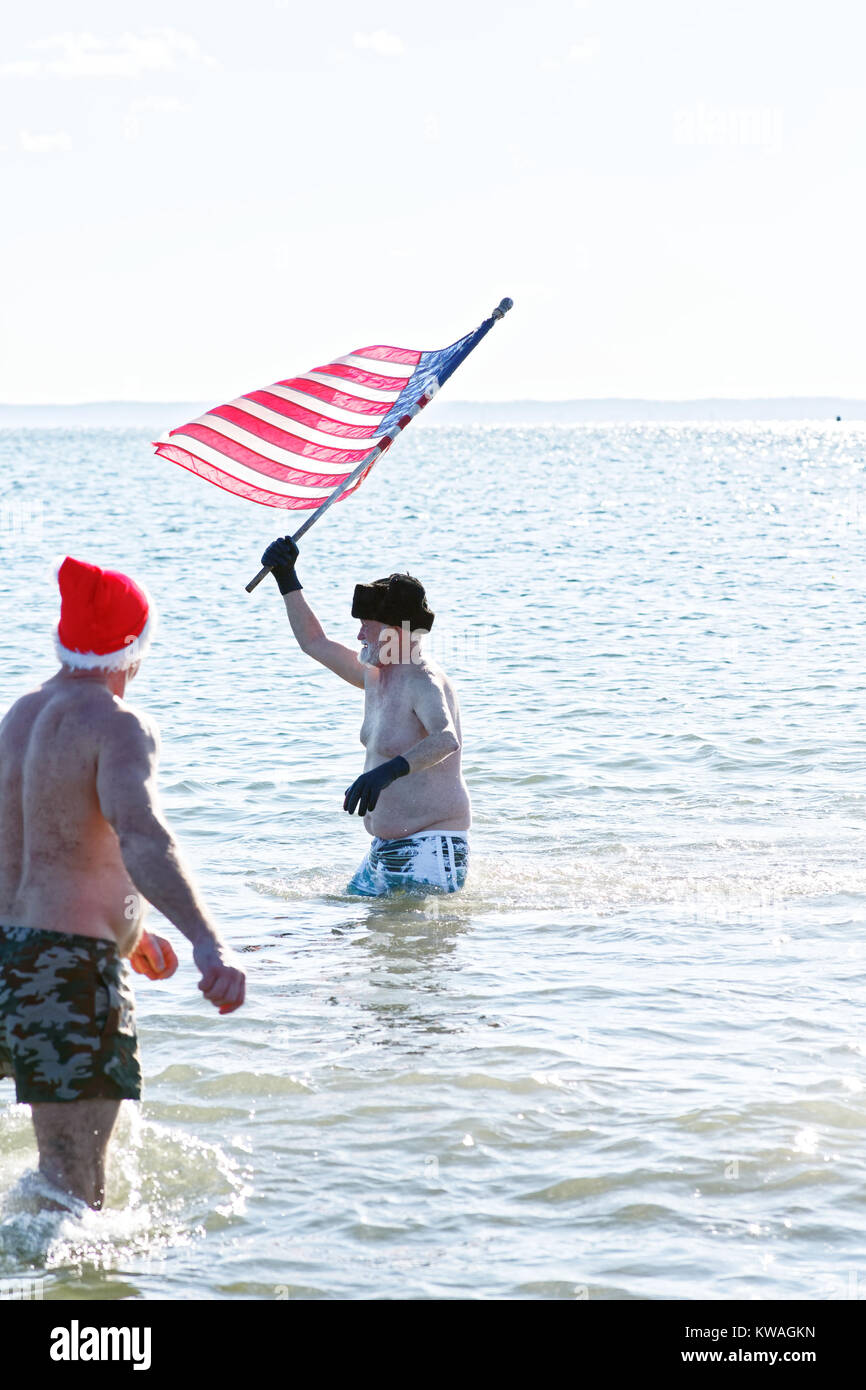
(106, 619)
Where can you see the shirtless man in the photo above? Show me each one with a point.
(81, 836)
(411, 730)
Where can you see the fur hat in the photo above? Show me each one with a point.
(393, 601)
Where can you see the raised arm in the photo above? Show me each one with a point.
(309, 633)
(126, 788)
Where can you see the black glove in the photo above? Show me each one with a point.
(365, 792)
(280, 557)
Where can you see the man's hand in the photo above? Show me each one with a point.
(280, 557)
(366, 790)
(153, 957)
(223, 985)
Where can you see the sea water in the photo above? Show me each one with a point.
(628, 1060)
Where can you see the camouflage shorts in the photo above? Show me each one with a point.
(67, 1018)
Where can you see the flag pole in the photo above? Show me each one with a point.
(388, 439)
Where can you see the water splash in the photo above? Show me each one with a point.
(165, 1189)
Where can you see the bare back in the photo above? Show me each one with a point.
(60, 862)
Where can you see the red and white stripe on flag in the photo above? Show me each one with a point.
(292, 443)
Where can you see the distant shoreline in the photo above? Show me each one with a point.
(161, 415)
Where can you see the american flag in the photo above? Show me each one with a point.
(283, 445)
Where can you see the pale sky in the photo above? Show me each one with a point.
(201, 198)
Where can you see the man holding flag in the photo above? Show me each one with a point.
(281, 446)
(411, 793)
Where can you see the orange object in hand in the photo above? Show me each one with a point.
(154, 957)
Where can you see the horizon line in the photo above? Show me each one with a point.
(508, 400)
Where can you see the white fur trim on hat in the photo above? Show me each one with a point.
(120, 660)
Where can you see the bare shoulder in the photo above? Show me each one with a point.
(120, 729)
(64, 704)
(26, 707)
(146, 723)
(428, 676)
(434, 699)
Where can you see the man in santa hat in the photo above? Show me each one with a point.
(82, 842)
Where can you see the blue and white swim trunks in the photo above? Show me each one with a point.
(430, 861)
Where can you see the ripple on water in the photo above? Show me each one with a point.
(625, 1061)
(166, 1190)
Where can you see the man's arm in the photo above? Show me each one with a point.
(126, 788)
(280, 556)
(431, 708)
(310, 637)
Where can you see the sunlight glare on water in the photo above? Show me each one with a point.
(627, 1061)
